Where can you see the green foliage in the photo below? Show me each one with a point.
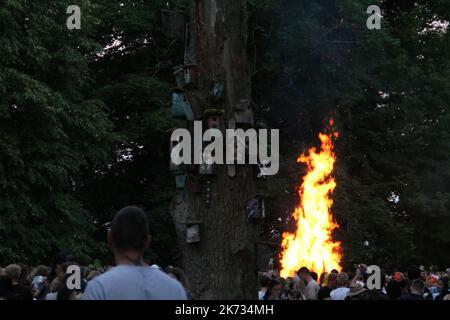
(85, 122)
(50, 132)
(388, 91)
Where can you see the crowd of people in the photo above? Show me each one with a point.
(416, 283)
(133, 278)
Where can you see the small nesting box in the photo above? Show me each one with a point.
(181, 107)
(180, 179)
(192, 231)
(179, 76)
(214, 118)
(218, 90)
(255, 208)
(243, 112)
(191, 74)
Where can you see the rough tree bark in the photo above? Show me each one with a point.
(223, 264)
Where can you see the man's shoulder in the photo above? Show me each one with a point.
(127, 277)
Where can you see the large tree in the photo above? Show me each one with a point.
(222, 265)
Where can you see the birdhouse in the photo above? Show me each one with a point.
(192, 231)
(214, 118)
(191, 74)
(218, 90)
(179, 76)
(262, 169)
(243, 112)
(180, 179)
(255, 208)
(181, 106)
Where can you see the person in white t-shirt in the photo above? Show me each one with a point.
(132, 278)
(341, 291)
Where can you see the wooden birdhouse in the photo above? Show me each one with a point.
(214, 118)
(244, 112)
(192, 231)
(180, 179)
(191, 74)
(179, 76)
(218, 90)
(255, 208)
(181, 107)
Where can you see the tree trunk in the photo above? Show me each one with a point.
(223, 264)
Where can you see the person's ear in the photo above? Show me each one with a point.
(148, 240)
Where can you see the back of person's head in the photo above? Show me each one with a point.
(332, 280)
(13, 271)
(417, 287)
(59, 259)
(334, 271)
(263, 280)
(342, 279)
(129, 229)
(393, 289)
(40, 271)
(413, 273)
(303, 271)
(323, 278)
(272, 283)
(313, 275)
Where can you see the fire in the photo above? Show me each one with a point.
(312, 245)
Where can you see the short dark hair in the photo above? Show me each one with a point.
(303, 270)
(417, 286)
(334, 271)
(129, 229)
(263, 280)
(314, 275)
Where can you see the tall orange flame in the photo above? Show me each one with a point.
(311, 245)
